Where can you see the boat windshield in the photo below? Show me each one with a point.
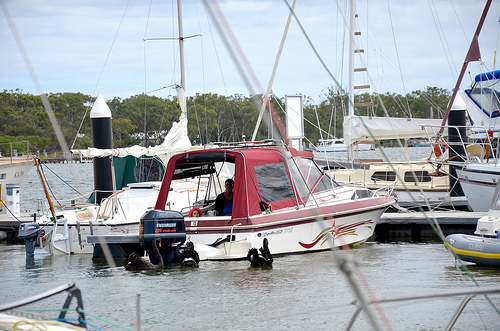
(485, 93)
(315, 179)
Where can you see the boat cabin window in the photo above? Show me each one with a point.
(274, 183)
(388, 176)
(419, 177)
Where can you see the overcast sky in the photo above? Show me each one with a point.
(407, 45)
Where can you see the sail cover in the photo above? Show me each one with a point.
(365, 128)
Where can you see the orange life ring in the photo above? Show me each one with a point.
(440, 146)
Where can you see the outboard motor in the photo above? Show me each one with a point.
(31, 233)
(168, 225)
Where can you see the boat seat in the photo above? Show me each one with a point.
(476, 150)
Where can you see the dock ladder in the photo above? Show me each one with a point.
(65, 237)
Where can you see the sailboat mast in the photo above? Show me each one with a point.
(181, 43)
(351, 58)
(352, 5)
(181, 90)
(472, 55)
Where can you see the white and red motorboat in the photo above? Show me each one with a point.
(279, 194)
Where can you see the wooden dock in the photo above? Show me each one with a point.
(417, 226)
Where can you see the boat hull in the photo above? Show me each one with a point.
(118, 214)
(288, 232)
(12, 172)
(55, 242)
(478, 182)
(475, 249)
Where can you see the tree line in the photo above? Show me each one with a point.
(145, 120)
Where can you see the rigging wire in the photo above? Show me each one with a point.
(432, 222)
(496, 48)
(275, 68)
(36, 81)
(398, 59)
(442, 38)
(65, 182)
(240, 60)
(202, 71)
(207, 139)
(386, 59)
(100, 74)
(145, 72)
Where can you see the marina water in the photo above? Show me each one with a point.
(298, 292)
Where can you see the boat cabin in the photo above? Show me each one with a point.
(265, 179)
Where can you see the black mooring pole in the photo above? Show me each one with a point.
(102, 137)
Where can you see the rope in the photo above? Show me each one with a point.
(40, 324)
(104, 320)
(64, 181)
(313, 48)
(145, 72)
(275, 68)
(48, 186)
(216, 52)
(10, 212)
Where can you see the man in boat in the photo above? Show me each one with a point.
(224, 201)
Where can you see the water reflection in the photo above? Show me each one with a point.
(474, 271)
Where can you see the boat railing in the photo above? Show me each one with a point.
(386, 191)
(356, 183)
(468, 293)
(247, 144)
(42, 207)
(11, 151)
(73, 292)
(116, 204)
(231, 238)
(68, 318)
(478, 143)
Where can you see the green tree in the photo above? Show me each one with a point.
(145, 120)
(122, 126)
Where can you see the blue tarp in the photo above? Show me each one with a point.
(488, 76)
